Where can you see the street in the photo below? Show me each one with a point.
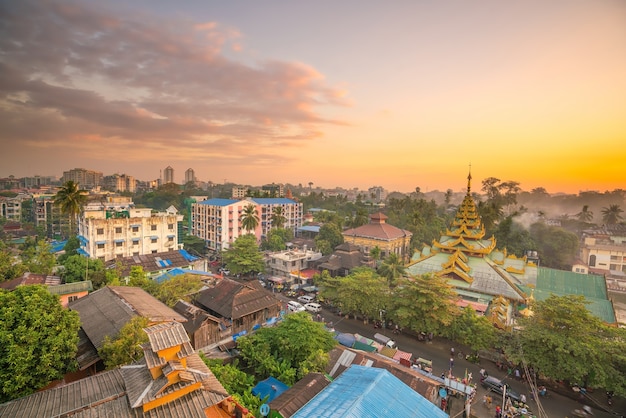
(438, 351)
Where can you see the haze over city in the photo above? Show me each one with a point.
(351, 93)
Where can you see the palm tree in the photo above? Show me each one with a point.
(277, 217)
(249, 218)
(70, 199)
(392, 268)
(612, 214)
(585, 215)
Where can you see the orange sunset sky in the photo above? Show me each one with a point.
(354, 93)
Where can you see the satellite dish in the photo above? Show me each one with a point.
(264, 409)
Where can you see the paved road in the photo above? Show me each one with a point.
(555, 406)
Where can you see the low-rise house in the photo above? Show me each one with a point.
(203, 329)
(68, 292)
(242, 306)
(378, 233)
(343, 260)
(156, 264)
(104, 312)
(170, 381)
(291, 262)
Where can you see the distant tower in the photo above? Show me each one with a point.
(190, 176)
(168, 175)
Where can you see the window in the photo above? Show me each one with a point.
(170, 239)
(118, 230)
(100, 246)
(154, 251)
(153, 227)
(135, 229)
(72, 298)
(592, 261)
(119, 244)
(170, 226)
(136, 253)
(100, 231)
(153, 240)
(135, 242)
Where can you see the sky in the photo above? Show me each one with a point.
(351, 93)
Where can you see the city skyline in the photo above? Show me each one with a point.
(353, 94)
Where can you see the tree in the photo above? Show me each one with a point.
(298, 343)
(585, 215)
(612, 214)
(38, 340)
(71, 248)
(564, 341)
(277, 218)
(37, 257)
(363, 292)
(139, 278)
(77, 268)
(473, 330)
(125, 347)
(194, 245)
(244, 257)
(557, 247)
(70, 199)
(236, 382)
(424, 303)
(10, 267)
(513, 236)
(375, 254)
(249, 218)
(392, 268)
(277, 239)
(330, 233)
(178, 287)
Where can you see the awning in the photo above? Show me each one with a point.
(279, 280)
(136, 239)
(82, 252)
(101, 242)
(119, 240)
(402, 355)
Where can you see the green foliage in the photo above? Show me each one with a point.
(10, 267)
(178, 287)
(194, 245)
(392, 268)
(78, 268)
(556, 246)
(288, 351)
(138, 278)
(514, 237)
(277, 218)
(424, 303)
(235, 381)
(36, 256)
(564, 341)
(165, 196)
(276, 239)
(125, 348)
(38, 340)
(473, 330)
(330, 233)
(363, 292)
(244, 257)
(249, 218)
(70, 199)
(71, 248)
(612, 215)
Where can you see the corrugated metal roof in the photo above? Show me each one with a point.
(218, 202)
(367, 392)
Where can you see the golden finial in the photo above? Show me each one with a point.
(469, 179)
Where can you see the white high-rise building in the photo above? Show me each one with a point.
(218, 221)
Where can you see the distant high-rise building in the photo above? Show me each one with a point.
(120, 183)
(86, 179)
(168, 175)
(190, 176)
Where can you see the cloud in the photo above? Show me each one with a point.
(73, 70)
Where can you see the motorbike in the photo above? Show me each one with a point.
(583, 413)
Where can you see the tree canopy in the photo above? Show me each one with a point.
(329, 237)
(125, 347)
(244, 257)
(564, 341)
(249, 218)
(288, 351)
(178, 287)
(38, 340)
(70, 199)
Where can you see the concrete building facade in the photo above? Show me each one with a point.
(86, 179)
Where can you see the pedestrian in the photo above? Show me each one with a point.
(319, 317)
(452, 351)
(485, 401)
(451, 362)
(489, 401)
(518, 375)
(522, 398)
(498, 412)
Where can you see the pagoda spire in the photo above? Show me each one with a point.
(469, 180)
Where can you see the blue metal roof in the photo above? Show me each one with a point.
(177, 271)
(368, 392)
(310, 228)
(269, 387)
(82, 252)
(187, 256)
(218, 202)
(56, 246)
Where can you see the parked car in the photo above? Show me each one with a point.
(313, 307)
(294, 306)
(497, 386)
(224, 271)
(306, 299)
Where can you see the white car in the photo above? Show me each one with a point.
(306, 299)
(313, 307)
(294, 306)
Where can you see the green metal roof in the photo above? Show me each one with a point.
(64, 289)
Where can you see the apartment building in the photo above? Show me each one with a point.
(118, 229)
(86, 179)
(603, 250)
(290, 263)
(120, 183)
(168, 175)
(218, 221)
(11, 208)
